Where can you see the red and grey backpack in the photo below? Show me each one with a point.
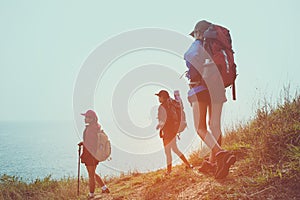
(176, 115)
(217, 42)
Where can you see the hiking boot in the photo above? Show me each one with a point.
(224, 161)
(207, 167)
(169, 169)
(166, 175)
(189, 167)
(106, 191)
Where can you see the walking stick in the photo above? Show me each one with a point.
(78, 175)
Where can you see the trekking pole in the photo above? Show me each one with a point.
(78, 175)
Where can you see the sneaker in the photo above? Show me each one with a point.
(106, 191)
(90, 196)
(207, 167)
(224, 161)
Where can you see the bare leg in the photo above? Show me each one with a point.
(91, 172)
(99, 180)
(168, 157)
(199, 113)
(175, 149)
(215, 112)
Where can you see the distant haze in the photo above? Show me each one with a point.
(43, 45)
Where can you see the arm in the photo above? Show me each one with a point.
(162, 116)
(81, 143)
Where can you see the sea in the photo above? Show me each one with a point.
(34, 150)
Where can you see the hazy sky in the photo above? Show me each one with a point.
(44, 43)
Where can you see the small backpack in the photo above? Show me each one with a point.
(217, 42)
(104, 147)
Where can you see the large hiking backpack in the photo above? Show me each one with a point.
(177, 115)
(104, 146)
(217, 42)
(182, 118)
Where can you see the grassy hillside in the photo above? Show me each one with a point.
(267, 167)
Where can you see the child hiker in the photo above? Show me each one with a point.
(89, 151)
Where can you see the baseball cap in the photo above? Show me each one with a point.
(90, 113)
(201, 26)
(163, 93)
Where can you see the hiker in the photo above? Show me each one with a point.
(207, 93)
(168, 126)
(89, 148)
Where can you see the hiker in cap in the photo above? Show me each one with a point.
(168, 126)
(207, 94)
(89, 151)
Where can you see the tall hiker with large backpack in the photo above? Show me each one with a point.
(170, 115)
(211, 68)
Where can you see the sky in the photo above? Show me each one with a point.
(45, 43)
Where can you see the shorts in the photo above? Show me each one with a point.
(88, 159)
(168, 136)
(202, 96)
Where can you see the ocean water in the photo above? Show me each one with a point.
(33, 150)
(37, 149)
